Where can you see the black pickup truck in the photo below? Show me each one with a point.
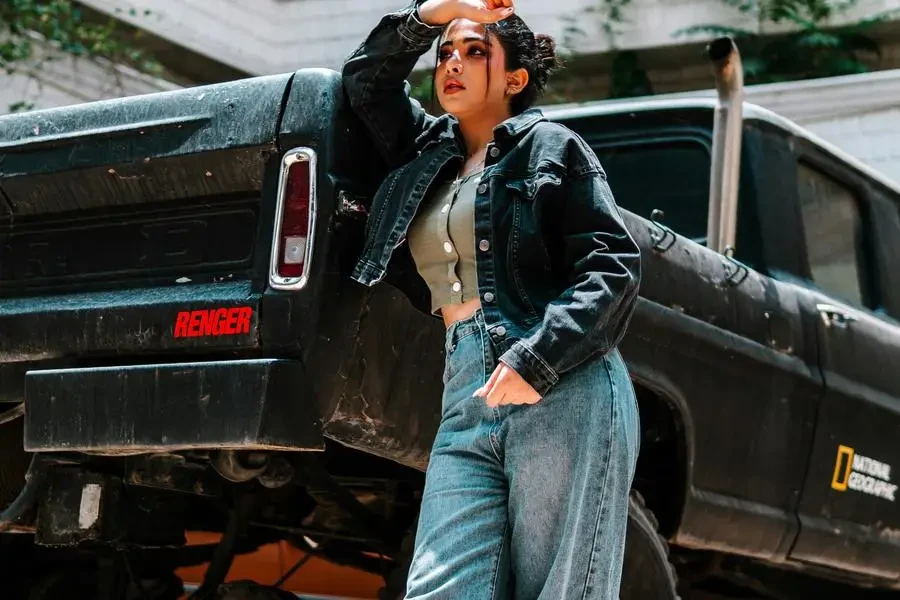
(179, 330)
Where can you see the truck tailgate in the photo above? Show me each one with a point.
(138, 191)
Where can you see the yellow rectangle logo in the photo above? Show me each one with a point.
(842, 467)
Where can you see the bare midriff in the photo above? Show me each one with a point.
(452, 313)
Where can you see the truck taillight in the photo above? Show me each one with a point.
(295, 219)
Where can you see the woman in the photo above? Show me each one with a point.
(510, 222)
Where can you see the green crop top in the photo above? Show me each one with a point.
(442, 242)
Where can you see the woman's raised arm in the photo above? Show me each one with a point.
(375, 74)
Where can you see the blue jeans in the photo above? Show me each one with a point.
(527, 502)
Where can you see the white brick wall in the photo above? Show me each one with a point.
(858, 113)
(873, 138)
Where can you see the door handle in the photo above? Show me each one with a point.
(834, 316)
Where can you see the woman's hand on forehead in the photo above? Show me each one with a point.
(441, 12)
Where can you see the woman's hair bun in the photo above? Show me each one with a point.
(547, 60)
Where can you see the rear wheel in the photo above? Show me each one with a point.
(647, 573)
(13, 460)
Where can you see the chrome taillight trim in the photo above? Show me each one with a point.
(276, 281)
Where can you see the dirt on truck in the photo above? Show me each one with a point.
(182, 349)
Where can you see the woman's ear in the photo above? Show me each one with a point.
(516, 81)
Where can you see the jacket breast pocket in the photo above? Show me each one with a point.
(530, 187)
(528, 262)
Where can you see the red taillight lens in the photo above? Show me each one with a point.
(295, 220)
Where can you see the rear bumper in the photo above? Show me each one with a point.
(264, 404)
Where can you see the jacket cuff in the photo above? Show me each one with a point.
(531, 367)
(417, 34)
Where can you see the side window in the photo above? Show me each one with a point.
(672, 175)
(833, 232)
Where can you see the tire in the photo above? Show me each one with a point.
(647, 573)
(13, 460)
(395, 581)
(249, 590)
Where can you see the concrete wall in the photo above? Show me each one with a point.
(69, 80)
(861, 114)
(273, 36)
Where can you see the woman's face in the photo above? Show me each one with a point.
(461, 78)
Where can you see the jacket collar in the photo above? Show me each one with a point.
(510, 129)
(518, 125)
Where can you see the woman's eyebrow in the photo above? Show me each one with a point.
(466, 40)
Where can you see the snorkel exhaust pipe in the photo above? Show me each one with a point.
(726, 150)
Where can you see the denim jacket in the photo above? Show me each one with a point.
(558, 272)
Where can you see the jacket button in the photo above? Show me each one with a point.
(457, 286)
(495, 152)
(484, 245)
(488, 297)
(500, 331)
(482, 188)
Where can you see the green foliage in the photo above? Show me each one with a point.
(422, 90)
(627, 77)
(35, 32)
(810, 48)
(612, 18)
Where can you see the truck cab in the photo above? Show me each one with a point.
(800, 351)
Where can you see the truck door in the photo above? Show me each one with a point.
(849, 509)
(739, 354)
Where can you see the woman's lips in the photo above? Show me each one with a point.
(453, 86)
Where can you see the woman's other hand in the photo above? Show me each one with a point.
(506, 386)
(441, 12)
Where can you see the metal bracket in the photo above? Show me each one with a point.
(662, 237)
(834, 316)
(735, 271)
(350, 206)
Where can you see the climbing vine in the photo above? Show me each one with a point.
(626, 76)
(784, 40)
(797, 39)
(34, 33)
